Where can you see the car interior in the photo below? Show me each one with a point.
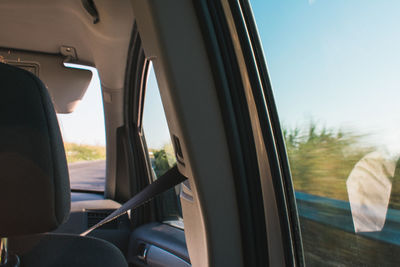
(229, 211)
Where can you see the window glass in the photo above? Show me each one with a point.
(160, 149)
(84, 139)
(335, 71)
(156, 130)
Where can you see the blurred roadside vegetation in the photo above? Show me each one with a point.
(321, 159)
(162, 159)
(79, 152)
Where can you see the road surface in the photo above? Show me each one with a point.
(88, 175)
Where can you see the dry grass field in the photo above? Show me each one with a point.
(81, 152)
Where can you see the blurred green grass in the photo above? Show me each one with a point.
(321, 159)
(162, 159)
(81, 152)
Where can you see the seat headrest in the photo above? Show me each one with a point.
(34, 183)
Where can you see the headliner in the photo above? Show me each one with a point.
(46, 25)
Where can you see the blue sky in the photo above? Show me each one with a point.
(336, 62)
(154, 121)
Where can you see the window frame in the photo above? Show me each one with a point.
(132, 148)
(235, 27)
(140, 168)
(161, 215)
(284, 184)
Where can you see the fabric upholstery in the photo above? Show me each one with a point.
(61, 250)
(34, 183)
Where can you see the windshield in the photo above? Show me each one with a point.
(84, 139)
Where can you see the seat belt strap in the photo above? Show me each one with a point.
(166, 181)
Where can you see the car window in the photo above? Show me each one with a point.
(83, 133)
(160, 148)
(158, 140)
(334, 68)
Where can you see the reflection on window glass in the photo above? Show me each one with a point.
(84, 139)
(156, 131)
(334, 67)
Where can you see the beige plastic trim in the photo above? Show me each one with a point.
(172, 40)
(47, 25)
(275, 245)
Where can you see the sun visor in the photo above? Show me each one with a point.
(66, 86)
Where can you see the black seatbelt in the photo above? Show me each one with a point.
(166, 181)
